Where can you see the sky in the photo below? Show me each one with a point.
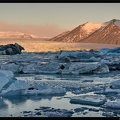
(51, 19)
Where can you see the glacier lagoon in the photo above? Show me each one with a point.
(29, 105)
(60, 84)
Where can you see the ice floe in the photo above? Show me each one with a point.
(115, 84)
(113, 104)
(95, 100)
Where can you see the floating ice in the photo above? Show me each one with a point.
(11, 66)
(113, 104)
(58, 113)
(77, 68)
(103, 51)
(6, 73)
(3, 81)
(95, 100)
(50, 67)
(108, 91)
(115, 84)
(47, 91)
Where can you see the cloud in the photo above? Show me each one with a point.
(48, 30)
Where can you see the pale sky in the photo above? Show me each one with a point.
(50, 19)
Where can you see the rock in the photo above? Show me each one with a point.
(95, 100)
(11, 49)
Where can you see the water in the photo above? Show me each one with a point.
(15, 106)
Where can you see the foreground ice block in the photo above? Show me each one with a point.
(9, 85)
(6, 73)
(6, 78)
(95, 100)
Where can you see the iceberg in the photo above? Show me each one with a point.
(6, 73)
(78, 68)
(94, 100)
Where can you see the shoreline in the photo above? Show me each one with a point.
(41, 45)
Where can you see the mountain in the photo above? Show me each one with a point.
(78, 33)
(17, 35)
(60, 37)
(89, 32)
(107, 35)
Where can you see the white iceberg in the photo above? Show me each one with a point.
(45, 68)
(78, 68)
(11, 66)
(14, 86)
(6, 73)
(95, 100)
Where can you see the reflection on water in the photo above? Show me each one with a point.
(15, 105)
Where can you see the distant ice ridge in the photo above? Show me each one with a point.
(10, 34)
(63, 62)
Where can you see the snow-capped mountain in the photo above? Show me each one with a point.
(107, 35)
(61, 36)
(84, 31)
(78, 33)
(14, 35)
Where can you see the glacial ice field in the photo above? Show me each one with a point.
(60, 84)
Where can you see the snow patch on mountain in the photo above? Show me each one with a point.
(91, 27)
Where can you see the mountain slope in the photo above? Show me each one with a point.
(107, 35)
(78, 33)
(60, 37)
